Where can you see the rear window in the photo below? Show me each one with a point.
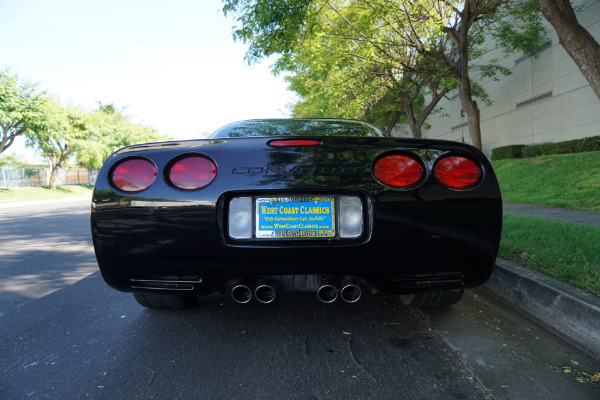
(296, 127)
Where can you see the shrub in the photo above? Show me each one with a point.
(567, 147)
(512, 151)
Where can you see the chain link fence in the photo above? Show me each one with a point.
(12, 177)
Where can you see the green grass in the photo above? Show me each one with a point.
(43, 193)
(561, 180)
(567, 252)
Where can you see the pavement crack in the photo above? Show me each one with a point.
(152, 378)
(357, 363)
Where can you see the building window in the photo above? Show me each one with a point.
(534, 100)
(460, 126)
(535, 53)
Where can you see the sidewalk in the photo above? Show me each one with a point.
(568, 310)
(14, 204)
(554, 214)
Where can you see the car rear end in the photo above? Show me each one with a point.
(298, 212)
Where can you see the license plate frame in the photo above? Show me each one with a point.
(295, 217)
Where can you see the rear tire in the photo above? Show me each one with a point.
(436, 298)
(165, 302)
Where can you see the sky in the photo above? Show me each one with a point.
(172, 65)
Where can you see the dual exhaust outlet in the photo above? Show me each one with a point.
(265, 293)
(349, 292)
(242, 293)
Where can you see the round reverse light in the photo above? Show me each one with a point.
(458, 172)
(133, 175)
(400, 171)
(192, 172)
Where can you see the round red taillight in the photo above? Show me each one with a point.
(133, 175)
(458, 172)
(192, 172)
(400, 171)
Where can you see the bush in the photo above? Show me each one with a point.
(568, 147)
(512, 151)
(539, 150)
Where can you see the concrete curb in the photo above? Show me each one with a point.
(570, 311)
(14, 204)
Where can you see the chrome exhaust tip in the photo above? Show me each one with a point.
(241, 294)
(265, 294)
(327, 293)
(350, 293)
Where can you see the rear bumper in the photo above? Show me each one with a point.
(408, 248)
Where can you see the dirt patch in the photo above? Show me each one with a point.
(502, 166)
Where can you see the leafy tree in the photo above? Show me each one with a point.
(91, 137)
(416, 84)
(58, 133)
(574, 38)
(11, 160)
(416, 45)
(20, 107)
(348, 62)
(337, 79)
(350, 66)
(455, 55)
(452, 34)
(109, 130)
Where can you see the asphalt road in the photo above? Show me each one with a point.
(66, 335)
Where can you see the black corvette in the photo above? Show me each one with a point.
(330, 206)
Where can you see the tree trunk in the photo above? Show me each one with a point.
(575, 39)
(461, 69)
(469, 104)
(53, 176)
(4, 143)
(56, 164)
(395, 117)
(415, 129)
(474, 118)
